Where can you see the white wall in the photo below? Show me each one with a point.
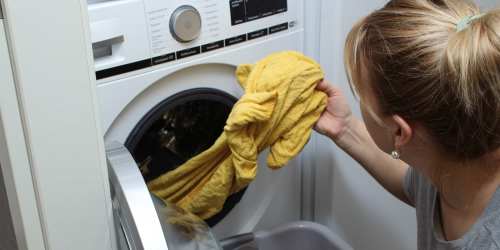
(348, 199)
(488, 4)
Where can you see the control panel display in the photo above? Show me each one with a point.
(248, 10)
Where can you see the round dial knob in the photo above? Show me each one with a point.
(185, 24)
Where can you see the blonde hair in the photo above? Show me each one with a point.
(422, 68)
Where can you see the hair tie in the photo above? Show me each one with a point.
(466, 21)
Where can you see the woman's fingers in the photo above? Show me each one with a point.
(322, 86)
(327, 88)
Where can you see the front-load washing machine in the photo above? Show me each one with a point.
(166, 84)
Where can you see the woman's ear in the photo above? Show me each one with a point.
(402, 131)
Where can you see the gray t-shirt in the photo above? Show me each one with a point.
(484, 234)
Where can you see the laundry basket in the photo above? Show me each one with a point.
(294, 236)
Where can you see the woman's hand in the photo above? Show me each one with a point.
(337, 115)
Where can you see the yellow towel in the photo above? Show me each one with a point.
(278, 110)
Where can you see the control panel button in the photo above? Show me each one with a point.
(188, 52)
(236, 40)
(257, 34)
(164, 58)
(278, 28)
(212, 46)
(185, 24)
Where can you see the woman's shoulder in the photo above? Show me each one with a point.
(418, 188)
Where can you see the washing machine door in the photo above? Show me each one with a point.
(137, 224)
(143, 221)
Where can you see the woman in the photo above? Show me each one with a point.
(428, 77)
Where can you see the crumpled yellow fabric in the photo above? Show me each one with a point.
(278, 110)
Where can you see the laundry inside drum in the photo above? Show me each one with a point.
(181, 133)
(178, 129)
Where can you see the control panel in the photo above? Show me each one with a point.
(129, 35)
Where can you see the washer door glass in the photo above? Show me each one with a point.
(184, 231)
(143, 221)
(180, 127)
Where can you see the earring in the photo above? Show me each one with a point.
(396, 155)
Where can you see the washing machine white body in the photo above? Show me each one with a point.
(140, 63)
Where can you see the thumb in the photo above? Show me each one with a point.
(326, 87)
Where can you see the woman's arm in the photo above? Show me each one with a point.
(350, 134)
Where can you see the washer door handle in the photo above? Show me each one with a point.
(132, 203)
